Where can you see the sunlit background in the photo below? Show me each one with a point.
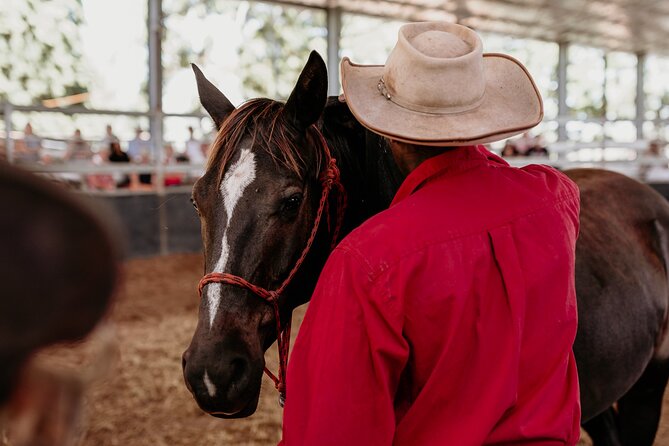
(58, 48)
(69, 65)
(65, 65)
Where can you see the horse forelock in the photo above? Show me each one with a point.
(263, 121)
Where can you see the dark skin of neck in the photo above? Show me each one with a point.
(409, 156)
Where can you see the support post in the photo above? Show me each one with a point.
(563, 110)
(334, 37)
(640, 94)
(605, 105)
(9, 141)
(155, 28)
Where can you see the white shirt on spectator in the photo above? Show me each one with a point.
(194, 151)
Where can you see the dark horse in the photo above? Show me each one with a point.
(257, 202)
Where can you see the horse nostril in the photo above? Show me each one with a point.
(238, 369)
(184, 359)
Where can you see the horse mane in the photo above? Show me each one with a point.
(269, 128)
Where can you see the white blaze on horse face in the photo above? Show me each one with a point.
(211, 387)
(234, 183)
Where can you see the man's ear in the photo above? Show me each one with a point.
(211, 98)
(307, 100)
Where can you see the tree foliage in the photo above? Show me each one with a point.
(276, 41)
(279, 40)
(40, 50)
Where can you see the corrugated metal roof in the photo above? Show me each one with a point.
(624, 25)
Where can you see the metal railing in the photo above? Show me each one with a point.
(157, 167)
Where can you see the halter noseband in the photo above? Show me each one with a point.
(329, 178)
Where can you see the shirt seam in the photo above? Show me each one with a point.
(445, 172)
(373, 272)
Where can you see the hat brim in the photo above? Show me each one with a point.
(511, 105)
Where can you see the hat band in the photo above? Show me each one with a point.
(385, 92)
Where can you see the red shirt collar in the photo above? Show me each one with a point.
(449, 162)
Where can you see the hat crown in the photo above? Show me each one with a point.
(440, 44)
(435, 67)
(437, 88)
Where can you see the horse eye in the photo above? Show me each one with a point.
(192, 200)
(292, 203)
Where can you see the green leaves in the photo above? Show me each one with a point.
(40, 49)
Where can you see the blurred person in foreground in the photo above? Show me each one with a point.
(443, 320)
(61, 265)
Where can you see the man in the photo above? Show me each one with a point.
(449, 318)
(138, 146)
(29, 152)
(109, 137)
(194, 149)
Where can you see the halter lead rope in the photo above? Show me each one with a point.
(329, 178)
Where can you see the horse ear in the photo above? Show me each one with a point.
(307, 100)
(211, 98)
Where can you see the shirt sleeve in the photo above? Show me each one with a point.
(347, 360)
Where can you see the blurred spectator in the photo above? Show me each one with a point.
(137, 146)
(537, 147)
(169, 155)
(143, 180)
(524, 143)
(207, 139)
(655, 148)
(29, 149)
(194, 149)
(109, 137)
(78, 149)
(528, 145)
(100, 181)
(655, 171)
(116, 155)
(509, 150)
(173, 178)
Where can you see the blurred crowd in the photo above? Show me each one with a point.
(526, 145)
(30, 150)
(77, 150)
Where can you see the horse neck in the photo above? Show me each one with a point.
(368, 171)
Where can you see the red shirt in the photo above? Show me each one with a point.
(447, 319)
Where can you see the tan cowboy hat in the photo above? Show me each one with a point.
(437, 88)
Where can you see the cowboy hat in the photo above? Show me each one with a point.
(437, 88)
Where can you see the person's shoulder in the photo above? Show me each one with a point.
(561, 183)
(556, 182)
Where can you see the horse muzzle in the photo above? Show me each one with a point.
(226, 388)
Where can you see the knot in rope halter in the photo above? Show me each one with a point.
(329, 178)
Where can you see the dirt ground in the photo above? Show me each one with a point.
(143, 400)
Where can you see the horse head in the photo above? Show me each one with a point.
(257, 203)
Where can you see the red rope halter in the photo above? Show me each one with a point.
(329, 178)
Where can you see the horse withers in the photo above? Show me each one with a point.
(257, 203)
